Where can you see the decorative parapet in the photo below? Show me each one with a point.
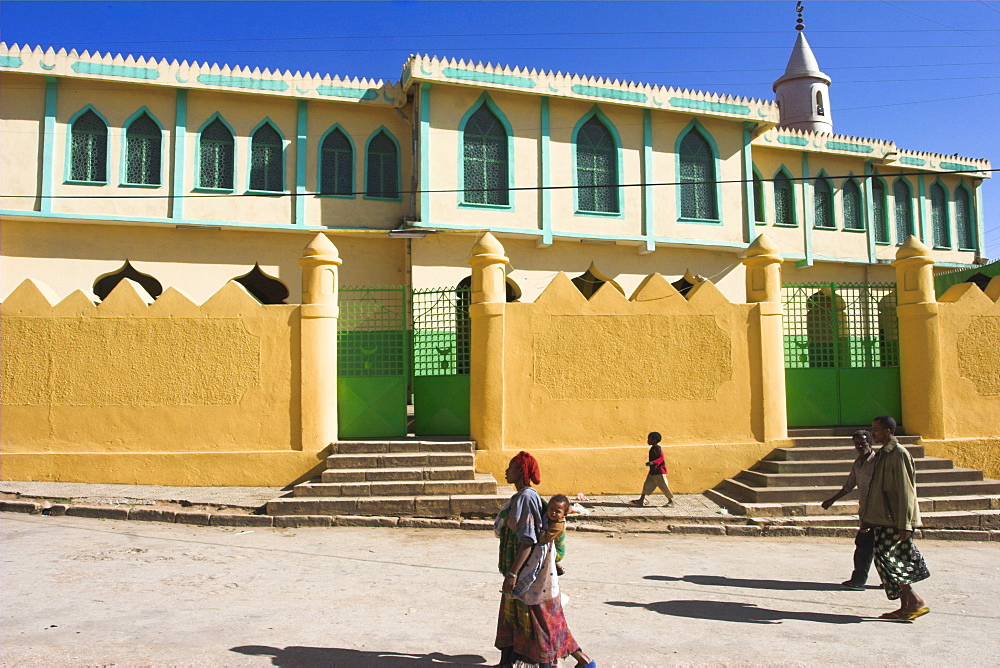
(937, 162)
(820, 142)
(575, 86)
(62, 63)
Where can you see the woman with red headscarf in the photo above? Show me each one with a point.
(532, 628)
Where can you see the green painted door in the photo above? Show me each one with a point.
(373, 352)
(841, 353)
(441, 350)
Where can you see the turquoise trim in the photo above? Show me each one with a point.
(177, 186)
(486, 100)
(909, 206)
(49, 143)
(794, 208)
(648, 218)
(488, 77)
(247, 83)
(763, 196)
(319, 163)
(793, 141)
(545, 158)
(10, 61)
(702, 105)
(848, 146)
(609, 93)
(807, 211)
(917, 162)
(694, 125)
(974, 219)
(833, 209)
(348, 92)
(105, 69)
(947, 214)
(425, 142)
(173, 222)
(749, 222)
(249, 190)
(980, 235)
(68, 167)
(595, 111)
(301, 148)
(197, 156)
(123, 163)
(958, 166)
(399, 166)
(868, 213)
(45, 67)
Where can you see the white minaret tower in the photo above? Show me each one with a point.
(803, 91)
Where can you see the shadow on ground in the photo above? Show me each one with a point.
(722, 581)
(333, 656)
(743, 613)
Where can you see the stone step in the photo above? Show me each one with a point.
(399, 474)
(400, 460)
(832, 441)
(804, 432)
(827, 453)
(745, 493)
(465, 505)
(849, 507)
(483, 484)
(765, 479)
(402, 445)
(838, 465)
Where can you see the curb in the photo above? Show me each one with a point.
(142, 514)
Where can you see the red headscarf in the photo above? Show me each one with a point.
(530, 472)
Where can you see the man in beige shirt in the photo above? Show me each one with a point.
(860, 477)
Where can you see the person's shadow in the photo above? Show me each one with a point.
(334, 656)
(731, 611)
(722, 581)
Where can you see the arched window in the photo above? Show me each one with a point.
(758, 199)
(382, 175)
(485, 160)
(143, 142)
(336, 164)
(596, 168)
(266, 168)
(89, 152)
(939, 216)
(903, 209)
(784, 200)
(697, 172)
(964, 220)
(881, 221)
(853, 218)
(216, 149)
(823, 204)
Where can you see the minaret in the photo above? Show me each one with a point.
(803, 91)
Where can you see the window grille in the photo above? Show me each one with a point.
(758, 199)
(372, 335)
(441, 331)
(784, 200)
(336, 165)
(939, 217)
(903, 210)
(265, 160)
(596, 168)
(879, 209)
(697, 178)
(853, 219)
(89, 152)
(823, 204)
(383, 168)
(963, 220)
(217, 157)
(485, 159)
(143, 143)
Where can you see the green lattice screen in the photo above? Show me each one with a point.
(441, 331)
(372, 338)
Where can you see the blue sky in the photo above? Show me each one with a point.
(923, 74)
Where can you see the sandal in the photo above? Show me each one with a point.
(635, 502)
(916, 613)
(896, 615)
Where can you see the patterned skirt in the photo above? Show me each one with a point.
(898, 562)
(533, 634)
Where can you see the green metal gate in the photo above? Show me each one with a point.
(441, 352)
(373, 354)
(841, 353)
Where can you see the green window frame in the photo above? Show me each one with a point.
(596, 168)
(143, 151)
(216, 156)
(382, 166)
(336, 164)
(759, 214)
(854, 218)
(267, 159)
(784, 200)
(698, 192)
(485, 158)
(902, 199)
(823, 205)
(939, 216)
(965, 222)
(880, 208)
(88, 148)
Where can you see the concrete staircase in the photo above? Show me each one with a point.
(397, 478)
(791, 482)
